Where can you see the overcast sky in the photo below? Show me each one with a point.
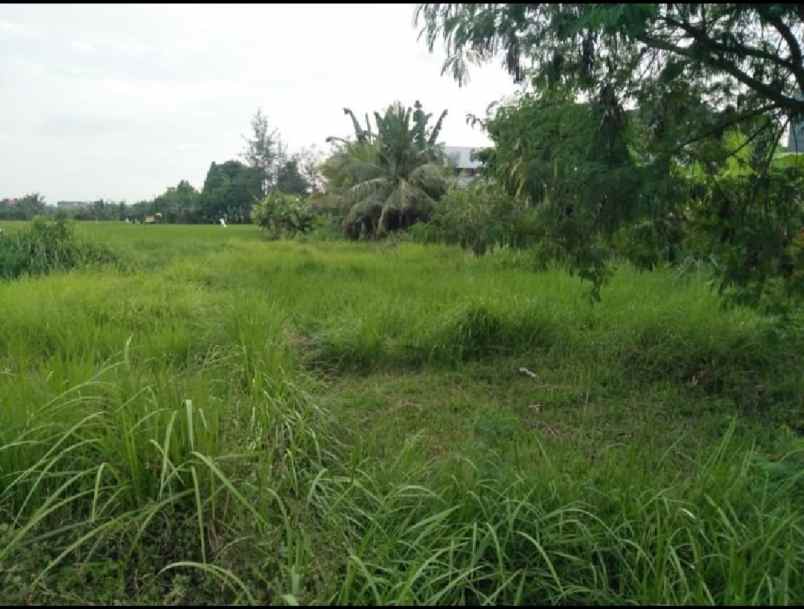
(121, 101)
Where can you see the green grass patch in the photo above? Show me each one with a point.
(44, 247)
(232, 420)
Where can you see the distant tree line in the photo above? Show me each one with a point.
(230, 190)
(22, 208)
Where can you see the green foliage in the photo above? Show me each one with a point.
(264, 152)
(389, 178)
(308, 162)
(290, 180)
(179, 204)
(283, 215)
(96, 210)
(749, 214)
(650, 243)
(22, 208)
(284, 422)
(724, 50)
(230, 191)
(493, 535)
(479, 218)
(47, 247)
(642, 182)
(731, 201)
(570, 162)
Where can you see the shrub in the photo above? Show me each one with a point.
(283, 215)
(478, 218)
(752, 224)
(46, 247)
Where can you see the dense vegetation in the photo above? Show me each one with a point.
(251, 421)
(46, 247)
(632, 121)
(390, 178)
(283, 215)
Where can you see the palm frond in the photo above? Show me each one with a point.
(365, 189)
(395, 172)
(359, 133)
(436, 129)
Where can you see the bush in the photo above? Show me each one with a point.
(46, 247)
(752, 224)
(478, 218)
(283, 215)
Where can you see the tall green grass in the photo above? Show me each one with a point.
(195, 427)
(487, 533)
(45, 247)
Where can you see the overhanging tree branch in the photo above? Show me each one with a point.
(792, 44)
(711, 44)
(782, 101)
(725, 125)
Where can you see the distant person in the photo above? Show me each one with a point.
(223, 222)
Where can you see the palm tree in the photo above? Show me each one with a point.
(389, 177)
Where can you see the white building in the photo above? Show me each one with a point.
(795, 139)
(72, 205)
(462, 159)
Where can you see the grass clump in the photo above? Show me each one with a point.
(46, 247)
(483, 532)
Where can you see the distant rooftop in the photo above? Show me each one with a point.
(462, 156)
(795, 138)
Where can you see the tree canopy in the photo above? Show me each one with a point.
(728, 49)
(22, 208)
(290, 180)
(230, 191)
(264, 151)
(631, 116)
(391, 175)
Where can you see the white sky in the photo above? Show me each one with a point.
(121, 101)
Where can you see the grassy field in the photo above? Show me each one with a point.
(220, 418)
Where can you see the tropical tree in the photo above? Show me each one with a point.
(230, 191)
(309, 161)
(290, 180)
(282, 214)
(390, 176)
(264, 151)
(664, 86)
(724, 50)
(23, 208)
